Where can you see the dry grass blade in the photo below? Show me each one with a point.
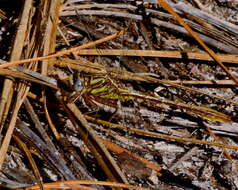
(201, 111)
(85, 182)
(23, 146)
(71, 186)
(229, 58)
(167, 7)
(24, 76)
(168, 137)
(204, 82)
(2, 14)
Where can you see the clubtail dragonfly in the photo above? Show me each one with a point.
(96, 88)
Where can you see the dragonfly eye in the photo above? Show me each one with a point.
(78, 85)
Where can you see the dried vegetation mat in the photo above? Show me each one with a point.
(119, 95)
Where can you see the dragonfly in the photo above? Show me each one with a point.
(95, 88)
(103, 89)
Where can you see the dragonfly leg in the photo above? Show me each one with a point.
(118, 107)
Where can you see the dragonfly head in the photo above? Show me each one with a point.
(78, 83)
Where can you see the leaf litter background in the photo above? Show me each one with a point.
(64, 153)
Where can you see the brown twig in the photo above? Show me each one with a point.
(64, 52)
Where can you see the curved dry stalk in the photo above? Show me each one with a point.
(23, 146)
(50, 122)
(49, 48)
